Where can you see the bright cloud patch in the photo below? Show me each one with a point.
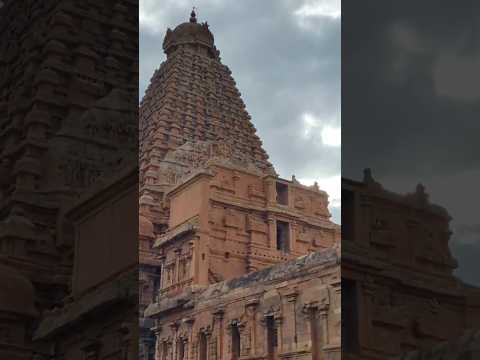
(313, 128)
(320, 8)
(310, 125)
(150, 16)
(332, 185)
(154, 18)
(331, 136)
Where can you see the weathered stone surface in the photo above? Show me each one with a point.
(99, 318)
(398, 286)
(104, 298)
(17, 312)
(465, 347)
(67, 118)
(68, 121)
(220, 212)
(299, 294)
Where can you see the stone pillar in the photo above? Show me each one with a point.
(228, 341)
(189, 350)
(317, 330)
(178, 251)
(251, 310)
(280, 333)
(212, 349)
(194, 263)
(290, 332)
(174, 330)
(365, 303)
(170, 349)
(323, 315)
(293, 236)
(272, 232)
(245, 340)
(270, 192)
(218, 323)
(186, 348)
(158, 342)
(162, 272)
(128, 336)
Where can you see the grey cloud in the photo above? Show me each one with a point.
(410, 104)
(422, 131)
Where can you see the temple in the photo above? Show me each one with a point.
(399, 291)
(234, 260)
(68, 136)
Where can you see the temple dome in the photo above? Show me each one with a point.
(17, 295)
(191, 33)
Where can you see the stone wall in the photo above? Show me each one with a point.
(68, 117)
(219, 229)
(299, 299)
(465, 347)
(68, 120)
(99, 319)
(400, 293)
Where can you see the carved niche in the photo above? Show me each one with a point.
(256, 224)
(224, 182)
(381, 234)
(254, 191)
(231, 219)
(299, 202)
(304, 235)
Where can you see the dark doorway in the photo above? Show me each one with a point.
(283, 236)
(349, 316)
(282, 193)
(272, 337)
(235, 342)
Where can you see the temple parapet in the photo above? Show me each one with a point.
(278, 310)
(232, 221)
(397, 273)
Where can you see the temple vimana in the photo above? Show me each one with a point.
(235, 262)
(68, 174)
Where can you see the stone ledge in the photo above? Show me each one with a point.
(190, 226)
(279, 272)
(463, 348)
(122, 289)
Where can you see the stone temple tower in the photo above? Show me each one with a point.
(68, 119)
(212, 207)
(192, 99)
(68, 123)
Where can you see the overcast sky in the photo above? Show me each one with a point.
(285, 59)
(411, 105)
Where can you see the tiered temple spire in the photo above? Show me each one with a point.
(193, 97)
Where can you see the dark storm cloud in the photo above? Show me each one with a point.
(465, 247)
(410, 104)
(285, 58)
